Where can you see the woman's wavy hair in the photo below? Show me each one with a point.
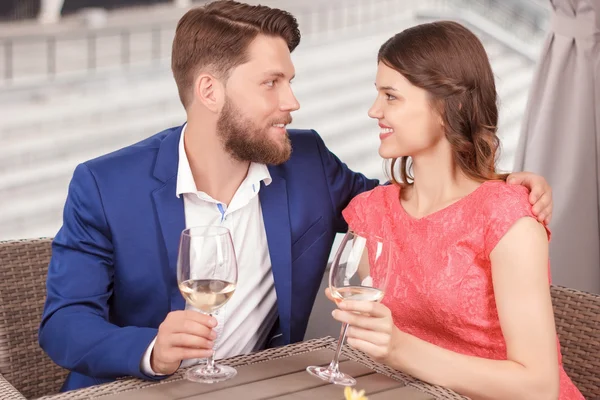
(449, 62)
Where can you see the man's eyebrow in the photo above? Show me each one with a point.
(278, 74)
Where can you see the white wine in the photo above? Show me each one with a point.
(207, 295)
(362, 293)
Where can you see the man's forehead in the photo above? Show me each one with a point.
(268, 57)
(274, 66)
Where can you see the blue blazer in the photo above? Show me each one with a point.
(112, 277)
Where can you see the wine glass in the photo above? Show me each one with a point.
(207, 275)
(360, 271)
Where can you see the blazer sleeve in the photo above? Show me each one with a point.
(75, 330)
(344, 184)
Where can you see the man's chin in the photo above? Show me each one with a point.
(282, 156)
(273, 158)
(281, 159)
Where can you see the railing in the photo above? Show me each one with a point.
(532, 15)
(43, 60)
(518, 24)
(107, 48)
(120, 47)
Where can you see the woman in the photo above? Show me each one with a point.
(468, 306)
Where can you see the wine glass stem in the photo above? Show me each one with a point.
(210, 362)
(334, 366)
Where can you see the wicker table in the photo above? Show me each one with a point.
(275, 374)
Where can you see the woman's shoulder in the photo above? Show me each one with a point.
(374, 200)
(498, 196)
(367, 210)
(502, 191)
(502, 206)
(379, 194)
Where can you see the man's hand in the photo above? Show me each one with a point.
(540, 193)
(182, 335)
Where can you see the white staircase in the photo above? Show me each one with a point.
(46, 131)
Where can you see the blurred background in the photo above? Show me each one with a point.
(82, 78)
(99, 79)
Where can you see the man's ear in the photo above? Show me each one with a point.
(209, 91)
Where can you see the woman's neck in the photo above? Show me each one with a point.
(438, 182)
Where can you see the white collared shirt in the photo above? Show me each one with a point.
(245, 321)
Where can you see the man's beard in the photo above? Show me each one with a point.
(246, 141)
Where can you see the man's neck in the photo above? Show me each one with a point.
(215, 172)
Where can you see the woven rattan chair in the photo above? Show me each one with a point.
(26, 371)
(23, 269)
(577, 316)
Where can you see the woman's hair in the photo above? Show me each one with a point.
(449, 62)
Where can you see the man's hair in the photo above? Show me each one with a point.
(216, 37)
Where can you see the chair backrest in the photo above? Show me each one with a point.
(577, 316)
(23, 268)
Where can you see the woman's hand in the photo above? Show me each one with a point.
(371, 329)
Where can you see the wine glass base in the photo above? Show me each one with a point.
(338, 378)
(201, 374)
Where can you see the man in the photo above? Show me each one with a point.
(113, 304)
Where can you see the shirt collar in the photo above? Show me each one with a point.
(257, 173)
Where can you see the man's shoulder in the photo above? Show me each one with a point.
(306, 143)
(303, 135)
(140, 154)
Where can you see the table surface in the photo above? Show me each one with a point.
(274, 374)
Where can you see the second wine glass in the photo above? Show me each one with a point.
(207, 276)
(359, 271)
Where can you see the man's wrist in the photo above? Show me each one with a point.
(146, 363)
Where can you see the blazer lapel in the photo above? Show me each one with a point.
(274, 205)
(169, 209)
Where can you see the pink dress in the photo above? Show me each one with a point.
(441, 286)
